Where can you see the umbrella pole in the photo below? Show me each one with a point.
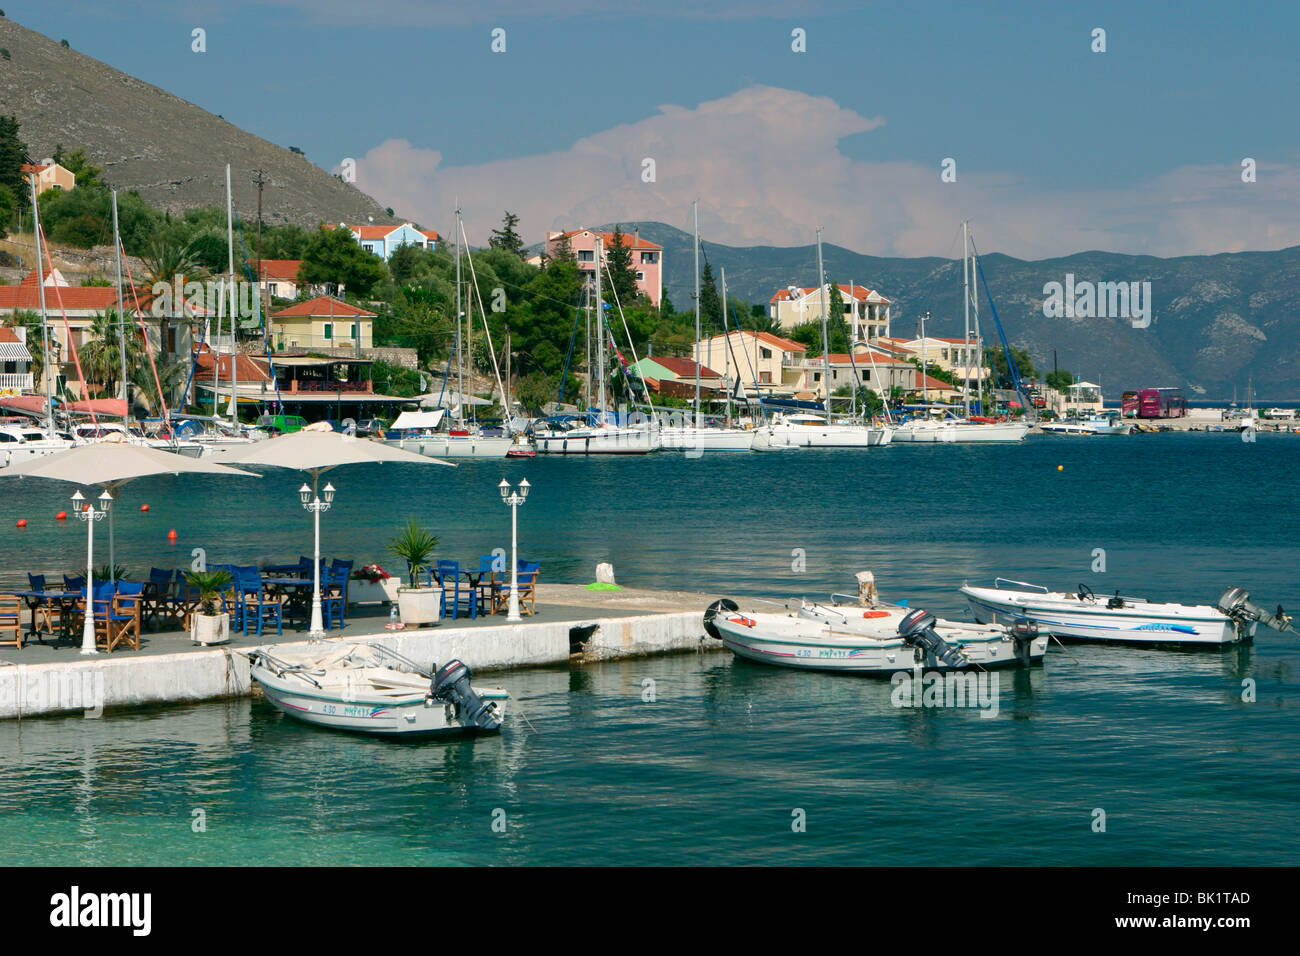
(317, 631)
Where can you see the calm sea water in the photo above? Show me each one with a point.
(713, 769)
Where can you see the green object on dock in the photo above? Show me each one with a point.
(603, 587)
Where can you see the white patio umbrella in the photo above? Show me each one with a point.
(316, 452)
(109, 464)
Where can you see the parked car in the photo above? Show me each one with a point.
(282, 424)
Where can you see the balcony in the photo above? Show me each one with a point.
(16, 382)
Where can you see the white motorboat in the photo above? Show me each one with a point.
(1102, 424)
(1085, 616)
(870, 638)
(19, 443)
(690, 439)
(369, 688)
(1067, 426)
(87, 432)
(572, 437)
(799, 430)
(958, 430)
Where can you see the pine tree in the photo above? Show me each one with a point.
(710, 301)
(622, 274)
(507, 238)
(12, 156)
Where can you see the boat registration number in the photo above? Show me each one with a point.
(345, 710)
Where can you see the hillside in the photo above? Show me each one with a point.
(171, 151)
(1218, 321)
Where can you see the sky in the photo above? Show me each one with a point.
(1056, 148)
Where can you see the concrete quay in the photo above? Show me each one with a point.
(572, 625)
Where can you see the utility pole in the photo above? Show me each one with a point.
(259, 180)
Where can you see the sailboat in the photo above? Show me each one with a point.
(601, 432)
(951, 428)
(806, 429)
(446, 432)
(700, 437)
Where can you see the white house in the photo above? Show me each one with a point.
(384, 240)
(866, 311)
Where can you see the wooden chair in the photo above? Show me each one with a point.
(11, 620)
(528, 573)
(119, 621)
(43, 611)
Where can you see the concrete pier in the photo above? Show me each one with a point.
(573, 625)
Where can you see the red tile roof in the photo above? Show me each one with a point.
(379, 232)
(9, 335)
(246, 369)
(855, 291)
(785, 345)
(323, 306)
(73, 298)
(683, 367)
(283, 269)
(630, 239)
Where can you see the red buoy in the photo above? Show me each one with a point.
(22, 522)
(61, 516)
(144, 507)
(171, 535)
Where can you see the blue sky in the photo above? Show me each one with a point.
(1058, 148)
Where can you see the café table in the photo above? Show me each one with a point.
(64, 601)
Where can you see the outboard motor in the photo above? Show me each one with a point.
(720, 606)
(917, 629)
(1023, 634)
(1235, 603)
(451, 684)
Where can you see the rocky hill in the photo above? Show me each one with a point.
(1217, 322)
(146, 139)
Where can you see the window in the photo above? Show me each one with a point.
(270, 286)
(765, 378)
(586, 255)
(640, 277)
(329, 331)
(765, 353)
(649, 257)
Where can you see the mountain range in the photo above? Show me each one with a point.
(1217, 322)
(169, 150)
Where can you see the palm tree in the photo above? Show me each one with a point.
(101, 358)
(164, 261)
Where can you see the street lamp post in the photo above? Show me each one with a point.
(87, 513)
(311, 501)
(513, 499)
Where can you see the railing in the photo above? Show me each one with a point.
(21, 381)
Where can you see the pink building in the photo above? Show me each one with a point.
(647, 257)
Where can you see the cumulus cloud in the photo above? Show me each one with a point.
(767, 168)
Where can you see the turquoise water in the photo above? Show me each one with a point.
(713, 769)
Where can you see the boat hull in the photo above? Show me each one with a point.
(367, 713)
(705, 439)
(872, 646)
(444, 446)
(822, 436)
(597, 441)
(1140, 623)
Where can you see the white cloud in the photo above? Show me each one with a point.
(766, 165)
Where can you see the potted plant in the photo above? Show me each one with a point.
(415, 544)
(371, 584)
(209, 625)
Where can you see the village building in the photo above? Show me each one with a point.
(322, 323)
(647, 257)
(866, 311)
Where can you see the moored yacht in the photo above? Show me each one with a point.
(22, 442)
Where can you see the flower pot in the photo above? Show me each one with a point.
(419, 605)
(209, 628)
(361, 591)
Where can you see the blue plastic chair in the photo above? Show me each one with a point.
(334, 595)
(252, 601)
(455, 595)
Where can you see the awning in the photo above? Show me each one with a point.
(417, 420)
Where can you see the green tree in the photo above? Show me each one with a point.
(86, 173)
(564, 250)
(8, 207)
(12, 157)
(1058, 379)
(170, 262)
(101, 358)
(997, 362)
(334, 256)
(622, 273)
(710, 302)
(507, 238)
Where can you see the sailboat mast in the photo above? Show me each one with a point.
(121, 321)
(925, 392)
(979, 342)
(45, 325)
(600, 337)
(826, 342)
(726, 351)
(460, 359)
(233, 409)
(695, 212)
(586, 341)
(965, 300)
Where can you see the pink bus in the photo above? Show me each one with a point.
(1154, 403)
